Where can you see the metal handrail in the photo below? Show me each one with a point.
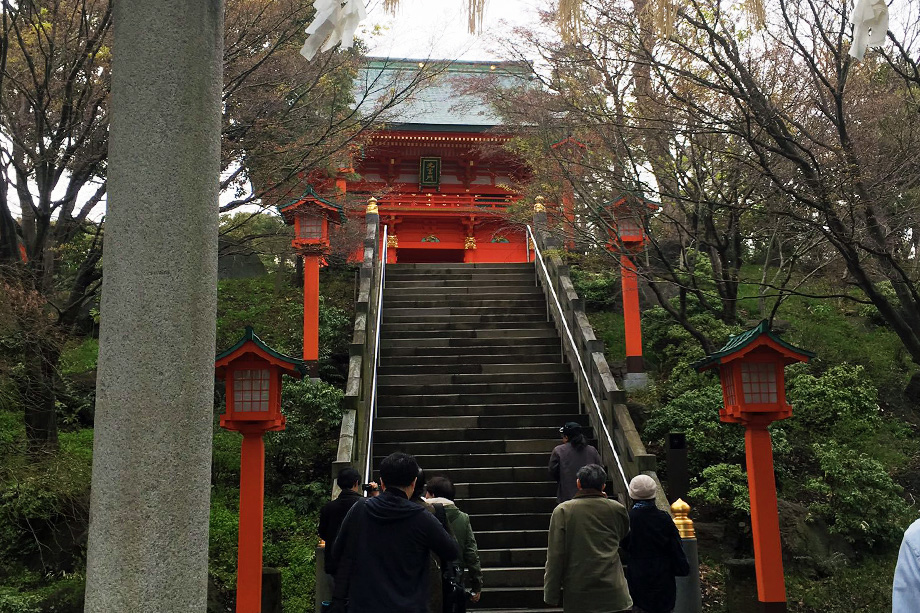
(538, 258)
(372, 401)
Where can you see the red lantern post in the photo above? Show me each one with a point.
(751, 369)
(310, 215)
(628, 235)
(252, 372)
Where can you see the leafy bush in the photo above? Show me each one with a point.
(841, 400)
(696, 413)
(599, 289)
(80, 357)
(856, 496)
(305, 449)
(724, 486)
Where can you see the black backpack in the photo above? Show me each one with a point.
(453, 593)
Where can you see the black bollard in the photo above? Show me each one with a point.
(271, 590)
(678, 473)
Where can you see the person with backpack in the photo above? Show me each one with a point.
(654, 551)
(567, 458)
(384, 546)
(440, 491)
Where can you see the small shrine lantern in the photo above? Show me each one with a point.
(751, 368)
(628, 226)
(311, 215)
(752, 372)
(252, 371)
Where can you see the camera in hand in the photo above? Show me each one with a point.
(370, 487)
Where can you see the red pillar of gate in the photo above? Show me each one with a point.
(768, 555)
(252, 494)
(311, 265)
(631, 316)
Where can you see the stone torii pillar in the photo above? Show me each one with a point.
(148, 532)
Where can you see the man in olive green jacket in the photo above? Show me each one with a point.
(583, 568)
(440, 490)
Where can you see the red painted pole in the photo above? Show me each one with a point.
(768, 556)
(311, 308)
(631, 316)
(249, 556)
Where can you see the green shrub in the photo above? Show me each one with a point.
(696, 413)
(80, 356)
(305, 449)
(724, 486)
(599, 289)
(856, 496)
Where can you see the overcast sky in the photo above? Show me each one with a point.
(438, 28)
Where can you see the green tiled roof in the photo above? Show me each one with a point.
(311, 193)
(249, 335)
(440, 102)
(739, 341)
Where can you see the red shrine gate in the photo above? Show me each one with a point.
(441, 199)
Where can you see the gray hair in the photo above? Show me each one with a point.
(592, 477)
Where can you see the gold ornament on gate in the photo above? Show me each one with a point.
(392, 241)
(470, 242)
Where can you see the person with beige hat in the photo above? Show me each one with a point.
(654, 551)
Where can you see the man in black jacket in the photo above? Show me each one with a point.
(333, 513)
(384, 547)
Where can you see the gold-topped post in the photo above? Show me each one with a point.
(681, 511)
(371, 206)
(538, 206)
(689, 594)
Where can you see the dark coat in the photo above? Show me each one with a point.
(331, 517)
(383, 552)
(564, 464)
(655, 557)
(583, 568)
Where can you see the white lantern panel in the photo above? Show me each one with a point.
(250, 390)
(759, 382)
(311, 225)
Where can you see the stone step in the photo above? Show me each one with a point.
(470, 447)
(546, 354)
(513, 576)
(514, 369)
(441, 389)
(569, 407)
(401, 281)
(453, 422)
(543, 341)
(477, 290)
(448, 461)
(390, 329)
(505, 333)
(409, 376)
(495, 302)
(463, 311)
(470, 319)
(464, 434)
(510, 521)
(525, 556)
(512, 539)
(506, 597)
(488, 506)
(430, 400)
(522, 489)
(451, 267)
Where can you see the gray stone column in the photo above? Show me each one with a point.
(148, 534)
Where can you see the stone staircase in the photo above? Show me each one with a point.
(471, 383)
